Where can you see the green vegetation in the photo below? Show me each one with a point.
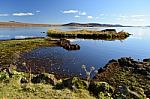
(88, 34)
(8, 48)
(12, 88)
(119, 79)
(127, 75)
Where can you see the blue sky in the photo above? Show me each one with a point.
(126, 12)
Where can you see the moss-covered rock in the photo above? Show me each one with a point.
(4, 76)
(101, 89)
(44, 78)
(124, 92)
(75, 83)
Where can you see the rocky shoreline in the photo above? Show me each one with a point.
(126, 73)
(123, 78)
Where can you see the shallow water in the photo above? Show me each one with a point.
(92, 53)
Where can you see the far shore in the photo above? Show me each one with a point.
(20, 24)
(24, 24)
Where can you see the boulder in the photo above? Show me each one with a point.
(146, 60)
(44, 78)
(124, 92)
(75, 83)
(147, 92)
(23, 80)
(101, 89)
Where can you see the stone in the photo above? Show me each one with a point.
(113, 60)
(99, 88)
(44, 78)
(147, 92)
(75, 83)
(146, 60)
(124, 92)
(23, 80)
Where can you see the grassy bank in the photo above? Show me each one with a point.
(12, 87)
(114, 81)
(88, 34)
(9, 47)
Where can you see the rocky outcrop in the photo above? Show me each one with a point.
(134, 75)
(66, 44)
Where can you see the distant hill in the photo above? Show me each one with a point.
(20, 24)
(93, 25)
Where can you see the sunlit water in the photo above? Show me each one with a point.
(92, 53)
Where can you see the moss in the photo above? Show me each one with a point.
(101, 89)
(14, 89)
(8, 48)
(75, 83)
(4, 76)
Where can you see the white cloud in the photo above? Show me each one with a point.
(90, 17)
(38, 11)
(82, 13)
(22, 14)
(4, 14)
(77, 16)
(71, 11)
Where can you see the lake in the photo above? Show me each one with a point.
(92, 52)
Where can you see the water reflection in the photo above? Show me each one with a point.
(92, 52)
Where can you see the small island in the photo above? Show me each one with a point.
(107, 34)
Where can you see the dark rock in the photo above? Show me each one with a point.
(101, 70)
(113, 60)
(44, 78)
(146, 60)
(124, 92)
(75, 83)
(125, 61)
(23, 80)
(99, 88)
(109, 30)
(67, 45)
(142, 71)
(147, 92)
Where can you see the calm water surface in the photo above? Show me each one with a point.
(92, 53)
